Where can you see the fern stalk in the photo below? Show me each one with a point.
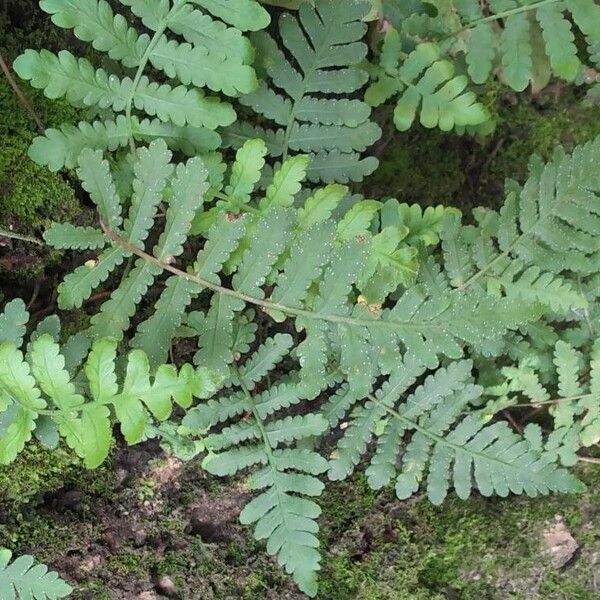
(160, 30)
(502, 15)
(267, 305)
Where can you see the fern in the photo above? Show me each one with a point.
(426, 84)
(250, 244)
(22, 579)
(77, 400)
(382, 322)
(444, 448)
(527, 42)
(324, 42)
(213, 55)
(545, 230)
(262, 439)
(572, 392)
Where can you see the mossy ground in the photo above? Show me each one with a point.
(116, 531)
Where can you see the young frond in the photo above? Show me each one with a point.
(572, 393)
(78, 401)
(24, 578)
(333, 129)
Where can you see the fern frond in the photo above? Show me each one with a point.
(530, 41)
(572, 391)
(64, 75)
(82, 413)
(286, 473)
(543, 232)
(28, 579)
(333, 129)
(427, 85)
(94, 21)
(444, 449)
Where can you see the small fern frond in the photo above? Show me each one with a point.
(526, 42)
(545, 230)
(572, 391)
(39, 384)
(13, 322)
(426, 84)
(60, 148)
(24, 578)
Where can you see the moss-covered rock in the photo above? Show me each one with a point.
(30, 195)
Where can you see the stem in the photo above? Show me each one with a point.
(501, 15)
(266, 442)
(438, 439)
(553, 401)
(21, 96)
(267, 305)
(160, 29)
(589, 459)
(18, 236)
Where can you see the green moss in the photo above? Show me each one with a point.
(418, 166)
(483, 548)
(29, 195)
(36, 472)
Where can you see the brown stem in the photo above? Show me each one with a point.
(21, 96)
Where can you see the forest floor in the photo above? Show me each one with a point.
(145, 526)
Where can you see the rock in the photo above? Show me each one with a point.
(559, 542)
(138, 536)
(166, 586)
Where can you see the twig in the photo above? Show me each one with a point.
(21, 96)
(589, 459)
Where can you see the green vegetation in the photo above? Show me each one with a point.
(224, 305)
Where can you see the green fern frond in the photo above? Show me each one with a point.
(24, 578)
(213, 55)
(444, 449)
(572, 392)
(528, 41)
(286, 473)
(427, 86)
(13, 322)
(333, 129)
(545, 230)
(39, 383)
(60, 148)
